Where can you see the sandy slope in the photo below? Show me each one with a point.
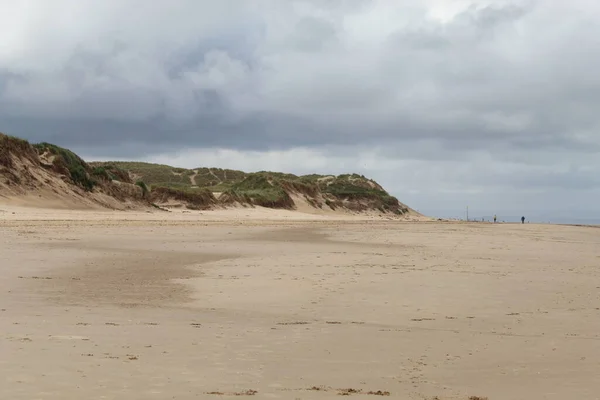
(109, 305)
(26, 208)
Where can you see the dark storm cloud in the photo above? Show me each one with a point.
(421, 80)
(466, 83)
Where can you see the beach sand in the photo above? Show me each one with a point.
(284, 305)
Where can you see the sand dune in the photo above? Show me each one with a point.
(290, 305)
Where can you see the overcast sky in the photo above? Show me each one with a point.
(448, 103)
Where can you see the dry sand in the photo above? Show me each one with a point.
(120, 305)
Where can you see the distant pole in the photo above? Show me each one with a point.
(467, 213)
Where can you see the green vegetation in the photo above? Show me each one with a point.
(101, 173)
(278, 175)
(110, 173)
(348, 189)
(64, 162)
(164, 175)
(7, 142)
(196, 187)
(265, 188)
(196, 199)
(115, 173)
(149, 173)
(14, 145)
(300, 185)
(257, 189)
(217, 177)
(145, 190)
(69, 164)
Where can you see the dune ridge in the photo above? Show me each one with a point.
(46, 175)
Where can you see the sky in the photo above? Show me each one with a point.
(490, 104)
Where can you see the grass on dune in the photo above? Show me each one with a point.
(257, 189)
(266, 188)
(69, 163)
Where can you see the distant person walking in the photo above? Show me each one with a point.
(522, 220)
(494, 218)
